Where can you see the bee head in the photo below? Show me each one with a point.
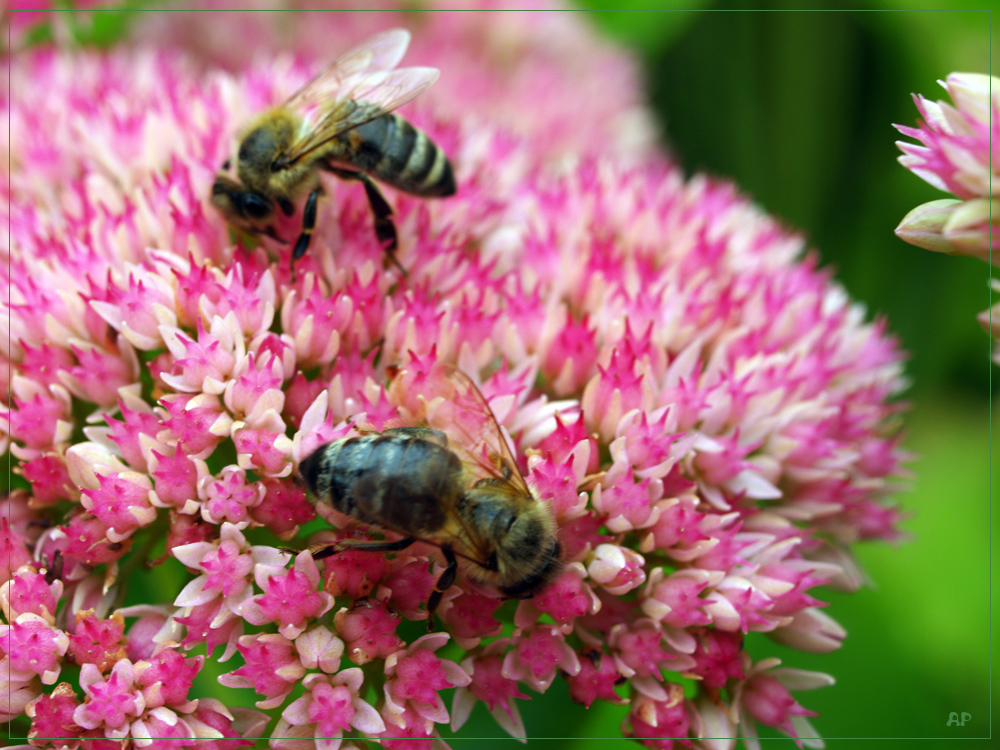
(527, 553)
(241, 207)
(537, 574)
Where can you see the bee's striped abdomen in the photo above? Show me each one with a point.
(391, 150)
(392, 481)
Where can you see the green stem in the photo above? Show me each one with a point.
(139, 557)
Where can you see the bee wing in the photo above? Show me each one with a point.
(447, 401)
(381, 52)
(474, 434)
(356, 88)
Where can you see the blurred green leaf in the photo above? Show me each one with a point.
(645, 30)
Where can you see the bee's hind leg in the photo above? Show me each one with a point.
(444, 583)
(365, 545)
(308, 224)
(385, 228)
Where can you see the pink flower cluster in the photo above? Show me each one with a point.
(704, 411)
(958, 157)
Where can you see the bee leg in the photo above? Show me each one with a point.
(444, 583)
(385, 229)
(308, 224)
(366, 545)
(54, 569)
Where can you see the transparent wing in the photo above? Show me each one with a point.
(381, 52)
(356, 88)
(462, 413)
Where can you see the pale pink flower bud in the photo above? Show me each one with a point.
(617, 569)
(955, 155)
(714, 727)
(198, 423)
(770, 703)
(811, 630)
(153, 625)
(159, 726)
(229, 498)
(319, 648)
(101, 371)
(765, 696)
(121, 502)
(176, 480)
(469, 616)
(283, 508)
(567, 598)
(953, 227)
(49, 478)
(204, 364)
(17, 695)
(251, 307)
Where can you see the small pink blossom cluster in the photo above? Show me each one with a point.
(547, 76)
(704, 411)
(957, 156)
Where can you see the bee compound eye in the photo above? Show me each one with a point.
(255, 206)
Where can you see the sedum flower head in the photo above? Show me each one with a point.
(958, 157)
(705, 412)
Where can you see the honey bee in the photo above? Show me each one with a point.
(341, 122)
(458, 488)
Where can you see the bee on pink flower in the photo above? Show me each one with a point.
(453, 483)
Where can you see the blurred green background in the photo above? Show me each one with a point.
(796, 108)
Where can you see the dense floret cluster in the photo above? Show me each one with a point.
(705, 412)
